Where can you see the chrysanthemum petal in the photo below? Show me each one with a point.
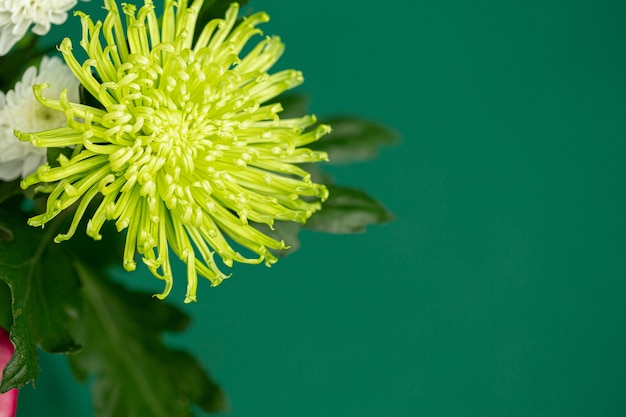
(185, 154)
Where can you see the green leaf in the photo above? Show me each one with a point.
(6, 315)
(52, 154)
(99, 254)
(45, 299)
(216, 9)
(9, 189)
(353, 140)
(15, 62)
(213, 9)
(346, 211)
(134, 373)
(6, 234)
(283, 231)
(318, 175)
(87, 99)
(294, 105)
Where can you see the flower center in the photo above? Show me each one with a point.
(172, 141)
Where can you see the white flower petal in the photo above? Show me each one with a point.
(16, 16)
(32, 162)
(10, 170)
(19, 110)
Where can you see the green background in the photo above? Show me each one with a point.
(499, 290)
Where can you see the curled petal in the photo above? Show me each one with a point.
(185, 153)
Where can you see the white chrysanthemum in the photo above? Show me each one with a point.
(20, 110)
(16, 16)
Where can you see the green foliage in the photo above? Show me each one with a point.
(6, 315)
(99, 254)
(348, 210)
(353, 140)
(45, 301)
(294, 105)
(6, 234)
(282, 231)
(60, 305)
(216, 9)
(86, 98)
(135, 374)
(9, 189)
(15, 62)
(52, 155)
(213, 9)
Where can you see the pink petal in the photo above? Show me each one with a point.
(8, 403)
(8, 400)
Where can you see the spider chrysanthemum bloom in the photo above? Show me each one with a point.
(184, 154)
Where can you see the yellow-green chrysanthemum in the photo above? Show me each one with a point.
(184, 153)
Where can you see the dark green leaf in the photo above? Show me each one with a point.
(135, 374)
(99, 254)
(294, 105)
(213, 9)
(353, 139)
(15, 62)
(6, 315)
(283, 231)
(87, 98)
(45, 301)
(6, 234)
(348, 211)
(52, 154)
(318, 175)
(9, 189)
